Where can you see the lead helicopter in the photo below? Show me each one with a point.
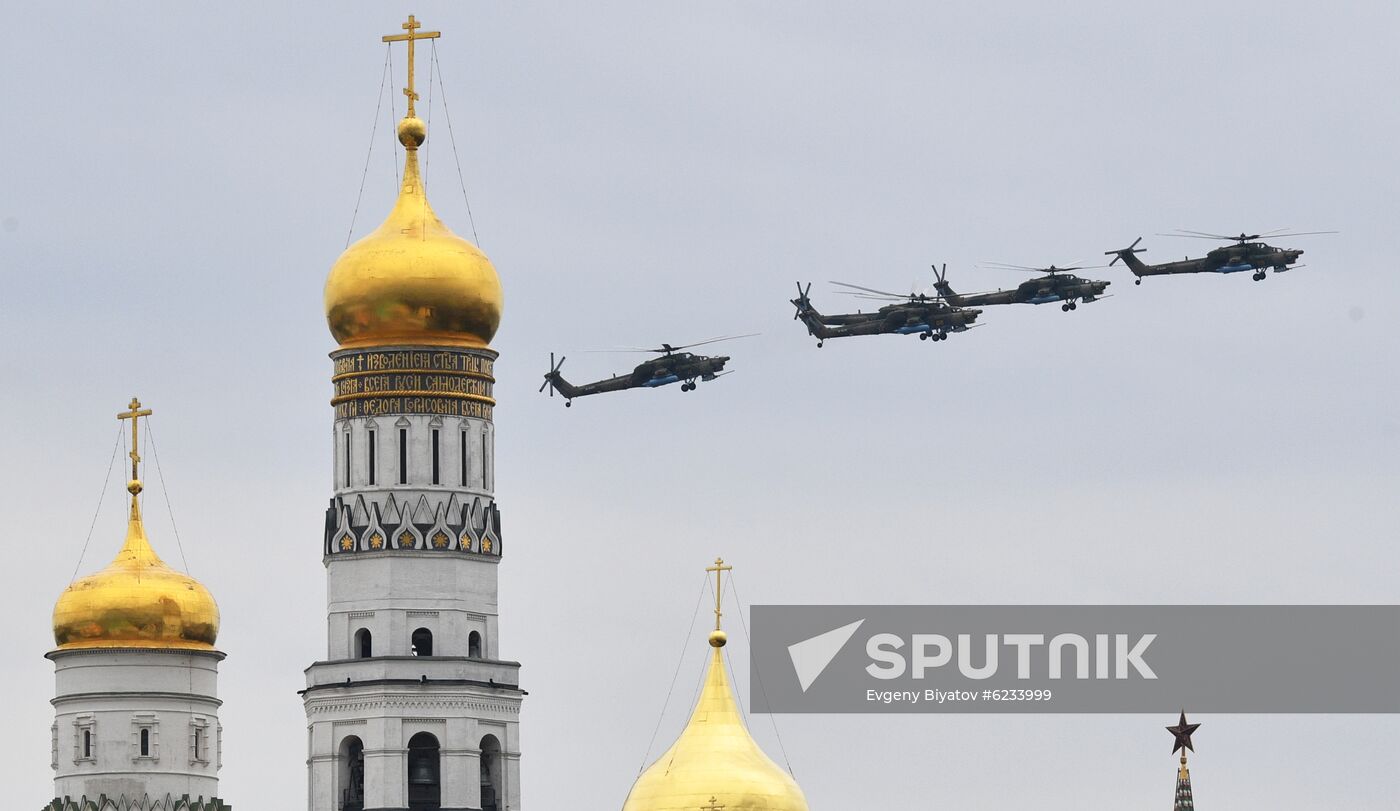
(673, 366)
(1057, 284)
(920, 314)
(1248, 253)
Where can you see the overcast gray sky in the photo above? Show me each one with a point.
(176, 179)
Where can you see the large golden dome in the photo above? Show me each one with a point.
(413, 281)
(714, 763)
(136, 602)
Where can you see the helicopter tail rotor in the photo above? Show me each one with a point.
(1124, 253)
(802, 302)
(551, 379)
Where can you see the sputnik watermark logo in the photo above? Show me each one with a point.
(929, 652)
(811, 656)
(1076, 658)
(932, 651)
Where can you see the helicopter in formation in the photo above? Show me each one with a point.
(939, 311)
(929, 317)
(673, 366)
(1056, 285)
(1248, 253)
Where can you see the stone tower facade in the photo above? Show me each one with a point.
(136, 728)
(412, 707)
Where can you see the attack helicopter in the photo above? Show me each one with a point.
(673, 366)
(917, 313)
(1057, 284)
(1248, 253)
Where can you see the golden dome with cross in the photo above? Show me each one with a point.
(413, 281)
(137, 601)
(715, 764)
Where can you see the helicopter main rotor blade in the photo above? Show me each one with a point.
(1005, 266)
(1302, 233)
(876, 298)
(1200, 236)
(711, 341)
(870, 290)
(1206, 234)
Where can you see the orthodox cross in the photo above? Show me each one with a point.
(712, 806)
(413, 35)
(719, 569)
(134, 415)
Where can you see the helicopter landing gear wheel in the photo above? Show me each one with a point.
(924, 336)
(1064, 307)
(821, 344)
(1137, 281)
(568, 403)
(1259, 277)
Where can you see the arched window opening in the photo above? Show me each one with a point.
(364, 644)
(145, 743)
(372, 461)
(403, 456)
(352, 774)
(422, 642)
(491, 796)
(485, 483)
(424, 774)
(435, 457)
(463, 459)
(474, 645)
(87, 743)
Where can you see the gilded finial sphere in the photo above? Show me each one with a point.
(412, 132)
(718, 638)
(134, 486)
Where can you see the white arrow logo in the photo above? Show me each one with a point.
(811, 656)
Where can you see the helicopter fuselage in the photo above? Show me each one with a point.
(1239, 258)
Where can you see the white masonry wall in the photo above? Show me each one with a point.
(112, 694)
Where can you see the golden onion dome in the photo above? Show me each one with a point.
(136, 602)
(714, 762)
(413, 281)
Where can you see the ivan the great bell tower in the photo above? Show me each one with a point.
(412, 708)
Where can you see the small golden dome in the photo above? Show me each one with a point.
(136, 602)
(714, 763)
(413, 281)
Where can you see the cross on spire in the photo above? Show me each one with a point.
(719, 569)
(412, 36)
(713, 801)
(134, 414)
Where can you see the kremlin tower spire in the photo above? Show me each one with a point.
(411, 706)
(136, 712)
(1182, 735)
(715, 763)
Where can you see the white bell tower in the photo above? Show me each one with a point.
(412, 707)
